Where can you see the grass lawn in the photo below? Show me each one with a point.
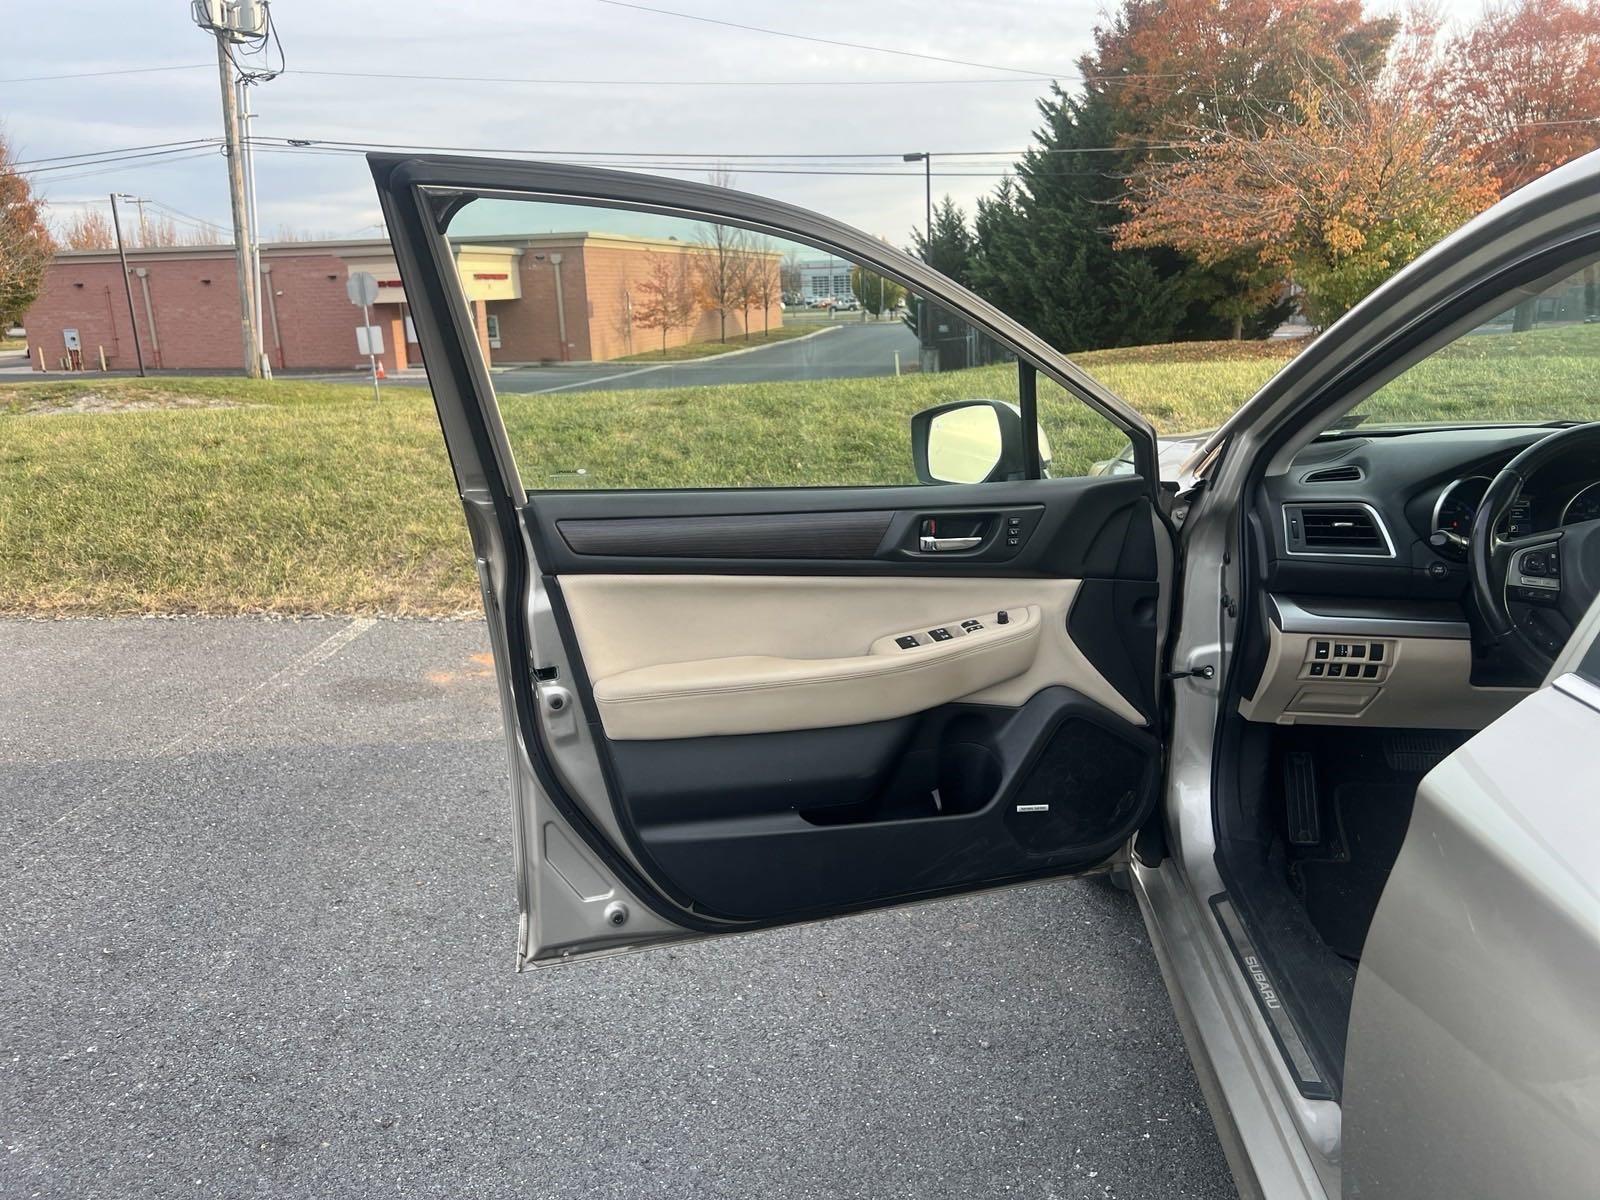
(13, 343)
(225, 495)
(711, 349)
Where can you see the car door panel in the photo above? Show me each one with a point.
(972, 795)
(713, 723)
(1472, 1051)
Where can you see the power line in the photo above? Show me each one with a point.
(103, 74)
(111, 170)
(24, 162)
(865, 170)
(633, 83)
(118, 158)
(712, 156)
(805, 37)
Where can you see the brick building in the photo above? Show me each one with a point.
(556, 297)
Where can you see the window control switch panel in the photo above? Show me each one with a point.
(966, 627)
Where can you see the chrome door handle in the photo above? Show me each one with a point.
(939, 545)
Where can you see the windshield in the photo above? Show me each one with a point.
(1536, 362)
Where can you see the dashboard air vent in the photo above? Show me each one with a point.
(1351, 529)
(1349, 473)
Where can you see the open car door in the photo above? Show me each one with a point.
(843, 620)
(1471, 1061)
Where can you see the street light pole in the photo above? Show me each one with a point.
(926, 159)
(127, 285)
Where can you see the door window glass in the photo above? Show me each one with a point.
(640, 350)
(1535, 360)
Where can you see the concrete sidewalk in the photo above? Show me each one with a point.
(256, 910)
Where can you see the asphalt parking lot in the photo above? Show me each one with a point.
(257, 918)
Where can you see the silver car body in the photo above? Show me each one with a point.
(1472, 1046)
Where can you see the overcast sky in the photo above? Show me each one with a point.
(326, 193)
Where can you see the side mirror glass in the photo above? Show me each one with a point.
(969, 441)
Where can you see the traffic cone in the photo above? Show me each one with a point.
(381, 373)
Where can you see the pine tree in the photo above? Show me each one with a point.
(950, 248)
(1044, 250)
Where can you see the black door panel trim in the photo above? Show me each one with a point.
(746, 535)
(1079, 528)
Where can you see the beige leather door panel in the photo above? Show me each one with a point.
(738, 654)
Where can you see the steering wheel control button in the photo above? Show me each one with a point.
(907, 642)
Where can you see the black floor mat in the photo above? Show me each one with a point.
(1341, 892)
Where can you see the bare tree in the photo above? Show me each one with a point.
(717, 271)
(764, 283)
(789, 274)
(88, 229)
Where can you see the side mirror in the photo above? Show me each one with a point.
(968, 441)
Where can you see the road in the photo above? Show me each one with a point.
(256, 916)
(846, 350)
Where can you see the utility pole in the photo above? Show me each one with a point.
(127, 286)
(138, 203)
(241, 233)
(926, 159)
(247, 122)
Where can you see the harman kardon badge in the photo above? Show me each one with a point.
(1033, 808)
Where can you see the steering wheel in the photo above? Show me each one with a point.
(1557, 570)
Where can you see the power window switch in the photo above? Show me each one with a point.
(907, 642)
(941, 634)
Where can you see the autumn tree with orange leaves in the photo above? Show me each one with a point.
(25, 244)
(1339, 188)
(1522, 86)
(666, 296)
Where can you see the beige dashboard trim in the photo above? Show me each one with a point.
(1426, 684)
(701, 655)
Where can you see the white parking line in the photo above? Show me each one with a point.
(561, 387)
(320, 653)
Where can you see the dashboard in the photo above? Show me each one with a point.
(1533, 511)
(1361, 547)
(1354, 513)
